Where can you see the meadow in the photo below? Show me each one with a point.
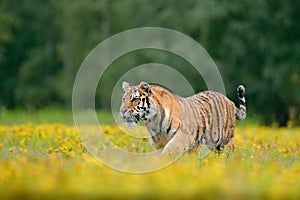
(42, 156)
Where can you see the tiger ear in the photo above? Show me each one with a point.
(125, 86)
(145, 87)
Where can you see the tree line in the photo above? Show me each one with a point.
(257, 43)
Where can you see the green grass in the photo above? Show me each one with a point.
(53, 115)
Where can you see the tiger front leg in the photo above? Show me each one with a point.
(180, 143)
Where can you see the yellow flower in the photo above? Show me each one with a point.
(11, 149)
(71, 153)
(22, 141)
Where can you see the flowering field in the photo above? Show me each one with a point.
(49, 160)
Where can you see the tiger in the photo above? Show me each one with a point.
(179, 124)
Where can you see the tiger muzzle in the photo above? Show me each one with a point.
(129, 117)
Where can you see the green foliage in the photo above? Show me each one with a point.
(43, 43)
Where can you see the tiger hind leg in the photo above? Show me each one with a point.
(225, 149)
(230, 145)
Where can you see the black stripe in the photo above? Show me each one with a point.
(143, 100)
(147, 101)
(153, 138)
(216, 105)
(210, 113)
(203, 131)
(177, 129)
(242, 102)
(240, 94)
(206, 112)
(197, 135)
(170, 126)
(203, 98)
(203, 123)
(226, 125)
(199, 107)
(162, 117)
(221, 110)
(205, 117)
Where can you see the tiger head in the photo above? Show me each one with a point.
(137, 103)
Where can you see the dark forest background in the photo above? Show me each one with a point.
(254, 42)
